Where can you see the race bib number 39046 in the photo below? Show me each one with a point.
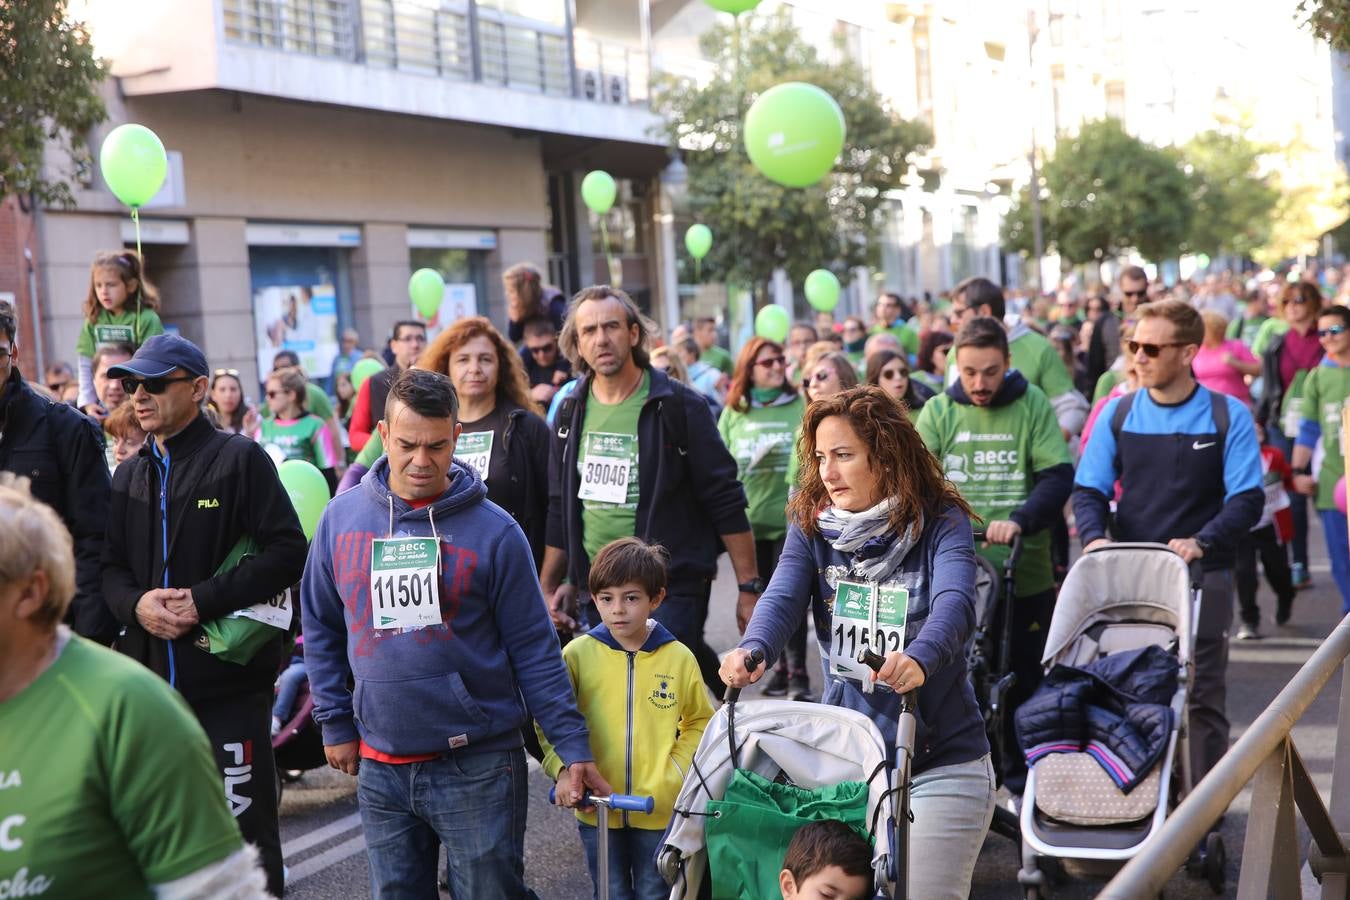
(405, 582)
(856, 623)
(608, 463)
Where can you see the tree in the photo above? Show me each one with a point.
(1106, 192)
(49, 81)
(1314, 199)
(1234, 203)
(760, 225)
(1329, 20)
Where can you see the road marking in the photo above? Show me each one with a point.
(319, 835)
(329, 857)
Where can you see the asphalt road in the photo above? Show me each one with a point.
(325, 853)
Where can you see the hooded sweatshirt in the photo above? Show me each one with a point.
(464, 684)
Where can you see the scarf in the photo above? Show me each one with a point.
(855, 346)
(765, 396)
(867, 536)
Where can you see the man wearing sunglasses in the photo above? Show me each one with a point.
(180, 509)
(1189, 468)
(61, 453)
(546, 368)
(1133, 284)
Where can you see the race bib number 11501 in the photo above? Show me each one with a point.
(405, 582)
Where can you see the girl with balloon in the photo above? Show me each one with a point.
(122, 307)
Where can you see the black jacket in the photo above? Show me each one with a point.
(1272, 388)
(526, 444)
(688, 493)
(61, 452)
(220, 487)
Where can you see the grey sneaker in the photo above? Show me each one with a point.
(1248, 633)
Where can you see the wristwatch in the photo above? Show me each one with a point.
(1202, 544)
(753, 586)
(1301, 470)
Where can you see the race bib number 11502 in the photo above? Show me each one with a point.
(856, 624)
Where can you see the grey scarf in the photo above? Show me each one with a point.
(867, 536)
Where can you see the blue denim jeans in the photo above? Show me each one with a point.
(288, 688)
(632, 862)
(1334, 529)
(473, 803)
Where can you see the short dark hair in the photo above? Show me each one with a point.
(1134, 273)
(818, 845)
(704, 320)
(103, 351)
(291, 359)
(9, 326)
(629, 561)
(983, 332)
(983, 292)
(537, 326)
(406, 323)
(567, 339)
(429, 394)
(1336, 311)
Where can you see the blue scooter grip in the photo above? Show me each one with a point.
(627, 802)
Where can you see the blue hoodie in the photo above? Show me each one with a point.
(466, 683)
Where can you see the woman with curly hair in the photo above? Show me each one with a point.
(503, 438)
(879, 542)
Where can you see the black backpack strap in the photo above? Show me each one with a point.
(1118, 417)
(1219, 410)
(565, 413)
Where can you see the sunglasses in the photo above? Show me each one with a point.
(1143, 293)
(231, 372)
(271, 394)
(58, 386)
(822, 375)
(1151, 350)
(1331, 332)
(152, 385)
(894, 373)
(1299, 299)
(772, 361)
(546, 348)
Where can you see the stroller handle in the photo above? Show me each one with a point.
(626, 802)
(752, 663)
(874, 661)
(1014, 549)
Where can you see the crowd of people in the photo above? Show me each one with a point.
(523, 535)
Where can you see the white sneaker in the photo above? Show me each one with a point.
(1248, 633)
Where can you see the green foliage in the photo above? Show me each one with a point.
(1233, 201)
(761, 225)
(49, 80)
(1105, 192)
(1329, 20)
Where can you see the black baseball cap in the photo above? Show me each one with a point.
(160, 355)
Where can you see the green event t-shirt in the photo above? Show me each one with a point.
(1106, 383)
(717, 357)
(125, 327)
(610, 430)
(316, 401)
(107, 783)
(1035, 357)
(1324, 392)
(761, 439)
(992, 455)
(305, 438)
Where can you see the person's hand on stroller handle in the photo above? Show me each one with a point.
(733, 671)
(901, 672)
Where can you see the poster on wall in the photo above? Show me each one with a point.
(301, 318)
(460, 300)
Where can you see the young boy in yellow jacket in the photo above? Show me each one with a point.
(645, 705)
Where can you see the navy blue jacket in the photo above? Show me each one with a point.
(687, 495)
(1178, 480)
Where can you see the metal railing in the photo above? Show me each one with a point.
(1266, 753)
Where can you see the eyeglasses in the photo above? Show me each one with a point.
(1151, 350)
(772, 361)
(153, 385)
(415, 337)
(894, 373)
(546, 348)
(822, 375)
(1141, 294)
(231, 372)
(1331, 332)
(1297, 298)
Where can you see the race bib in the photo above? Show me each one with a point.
(1293, 416)
(276, 612)
(405, 582)
(865, 615)
(475, 448)
(607, 464)
(113, 334)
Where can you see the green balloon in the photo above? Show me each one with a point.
(133, 163)
(822, 290)
(426, 288)
(363, 369)
(308, 491)
(735, 7)
(598, 191)
(772, 323)
(698, 240)
(793, 133)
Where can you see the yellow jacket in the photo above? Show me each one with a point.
(646, 712)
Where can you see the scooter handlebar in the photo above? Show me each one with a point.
(626, 802)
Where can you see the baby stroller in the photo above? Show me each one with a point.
(988, 658)
(809, 745)
(298, 745)
(1115, 599)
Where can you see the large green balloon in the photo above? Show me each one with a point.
(735, 7)
(363, 369)
(793, 133)
(822, 290)
(598, 191)
(772, 322)
(308, 490)
(426, 288)
(698, 240)
(133, 163)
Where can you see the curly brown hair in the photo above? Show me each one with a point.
(909, 474)
(738, 395)
(512, 383)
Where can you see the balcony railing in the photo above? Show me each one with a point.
(453, 39)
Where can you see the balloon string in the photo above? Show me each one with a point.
(140, 261)
(698, 270)
(609, 257)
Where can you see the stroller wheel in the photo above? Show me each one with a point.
(1216, 860)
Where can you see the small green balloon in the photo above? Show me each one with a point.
(308, 490)
(598, 191)
(426, 288)
(772, 323)
(822, 290)
(793, 133)
(363, 369)
(698, 240)
(735, 7)
(133, 163)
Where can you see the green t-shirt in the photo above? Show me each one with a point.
(1035, 357)
(992, 455)
(1324, 392)
(1269, 328)
(761, 440)
(1246, 330)
(718, 358)
(907, 335)
(1106, 383)
(107, 783)
(125, 327)
(607, 461)
(306, 438)
(316, 402)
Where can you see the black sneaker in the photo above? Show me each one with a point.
(777, 685)
(800, 687)
(1283, 608)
